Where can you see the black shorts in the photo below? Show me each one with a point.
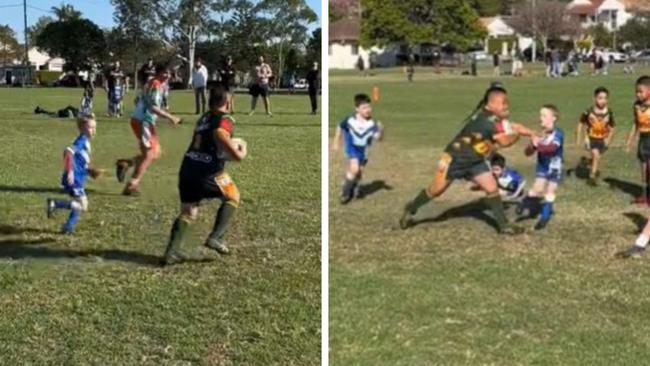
(597, 144)
(466, 171)
(643, 152)
(257, 90)
(194, 190)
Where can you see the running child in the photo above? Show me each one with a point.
(203, 176)
(465, 158)
(642, 129)
(599, 122)
(357, 132)
(143, 123)
(548, 173)
(76, 162)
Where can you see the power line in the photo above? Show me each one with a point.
(39, 9)
(11, 6)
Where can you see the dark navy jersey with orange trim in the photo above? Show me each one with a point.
(475, 141)
(206, 154)
(599, 123)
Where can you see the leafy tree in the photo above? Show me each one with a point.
(313, 49)
(636, 32)
(79, 41)
(420, 21)
(8, 44)
(246, 32)
(65, 12)
(37, 28)
(601, 36)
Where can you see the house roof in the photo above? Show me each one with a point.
(584, 8)
(637, 5)
(486, 21)
(346, 29)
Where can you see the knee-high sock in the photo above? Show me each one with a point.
(73, 218)
(547, 210)
(420, 200)
(224, 214)
(496, 206)
(348, 187)
(179, 228)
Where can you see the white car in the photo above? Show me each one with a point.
(615, 56)
(479, 55)
(301, 84)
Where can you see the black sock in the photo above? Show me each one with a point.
(177, 234)
(496, 206)
(225, 212)
(420, 200)
(348, 188)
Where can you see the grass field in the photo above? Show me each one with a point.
(98, 297)
(450, 291)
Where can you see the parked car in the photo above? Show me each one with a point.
(641, 56)
(615, 56)
(479, 55)
(301, 84)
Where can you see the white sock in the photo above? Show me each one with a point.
(642, 241)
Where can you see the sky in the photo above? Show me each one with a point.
(99, 11)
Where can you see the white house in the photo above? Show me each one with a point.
(498, 27)
(344, 50)
(610, 13)
(43, 61)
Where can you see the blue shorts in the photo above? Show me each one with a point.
(356, 152)
(548, 173)
(76, 190)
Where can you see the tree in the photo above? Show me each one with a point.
(341, 8)
(79, 41)
(313, 51)
(287, 25)
(37, 28)
(636, 32)
(601, 36)
(66, 12)
(8, 44)
(420, 21)
(544, 20)
(245, 34)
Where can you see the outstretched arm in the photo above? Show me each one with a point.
(338, 136)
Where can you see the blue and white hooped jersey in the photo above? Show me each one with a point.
(358, 133)
(80, 150)
(511, 181)
(552, 161)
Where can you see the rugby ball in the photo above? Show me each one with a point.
(241, 145)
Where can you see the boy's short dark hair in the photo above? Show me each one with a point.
(553, 109)
(600, 89)
(643, 80)
(360, 99)
(160, 68)
(218, 97)
(498, 160)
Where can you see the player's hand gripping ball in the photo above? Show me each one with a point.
(242, 146)
(530, 149)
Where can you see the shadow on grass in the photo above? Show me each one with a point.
(53, 190)
(374, 187)
(632, 189)
(13, 230)
(474, 209)
(280, 124)
(638, 220)
(581, 170)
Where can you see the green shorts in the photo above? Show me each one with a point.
(466, 170)
(643, 152)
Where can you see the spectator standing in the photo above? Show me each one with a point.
(227, 75)
(260, 87)
(313, 78)
(146, 72)
(496, 63)
(199, 82)
(114, 87)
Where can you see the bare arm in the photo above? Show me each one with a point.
(337, 139)
(630, 137)
(223, 137)
(578, 133)
(609, 138)
(522, 130)
(164, 114)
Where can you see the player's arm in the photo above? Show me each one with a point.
(380, 131)
(164, 114)
(630, 137)
(578, 133)
(67, 165)
(608, 139)
(223, 137)
(338, 136)
(521, 130)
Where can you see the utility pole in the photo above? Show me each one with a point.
(534, 46)
(27, 66)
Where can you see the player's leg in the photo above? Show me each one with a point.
(150, 151)
(595, 164)
(488, 183)
(224, 187)
(267, 100)
(123, 165)
(438, 186)
(202, 99)
(189, 213)
(531, 204)
(640, 244)
(78, 205)
(351, 175)
(357, 183)
(547, 204)
(196, 101)
(253, 104)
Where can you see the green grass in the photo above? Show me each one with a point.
(452, 291)
(98, 298)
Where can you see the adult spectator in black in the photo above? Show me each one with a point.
(227, 76)
(313, 77)
(146, 72)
